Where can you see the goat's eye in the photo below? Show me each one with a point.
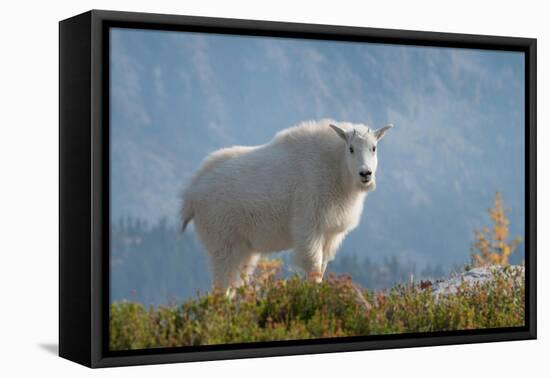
(351, 149)
(373, 148)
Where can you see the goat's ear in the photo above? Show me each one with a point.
(379, 134)
(340, 132)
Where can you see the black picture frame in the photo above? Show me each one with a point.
(84, 184)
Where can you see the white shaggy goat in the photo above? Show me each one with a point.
(304, 190)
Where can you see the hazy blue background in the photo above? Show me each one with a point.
(175, 97)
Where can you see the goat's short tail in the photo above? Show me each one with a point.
(187, 214)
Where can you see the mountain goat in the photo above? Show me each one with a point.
(304, 190)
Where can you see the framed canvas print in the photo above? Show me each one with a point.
(234, 188)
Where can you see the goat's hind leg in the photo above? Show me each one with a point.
(248, 268)
(227, 264)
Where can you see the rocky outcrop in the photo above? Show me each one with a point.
(474, 276)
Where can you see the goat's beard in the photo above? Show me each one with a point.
(368, 187)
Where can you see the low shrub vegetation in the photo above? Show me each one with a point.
(272, 308)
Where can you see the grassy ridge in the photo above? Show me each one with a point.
(271, 308)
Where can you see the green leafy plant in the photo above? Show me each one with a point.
(271, 308)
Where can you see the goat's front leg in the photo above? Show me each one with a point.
(309, 257)
(331, 244)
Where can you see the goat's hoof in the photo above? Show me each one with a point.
(230, 293)
(315, 277)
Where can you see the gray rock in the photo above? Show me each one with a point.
(475, 276)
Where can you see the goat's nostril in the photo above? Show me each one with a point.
(365, 173)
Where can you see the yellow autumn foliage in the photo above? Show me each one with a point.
(491, 246)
